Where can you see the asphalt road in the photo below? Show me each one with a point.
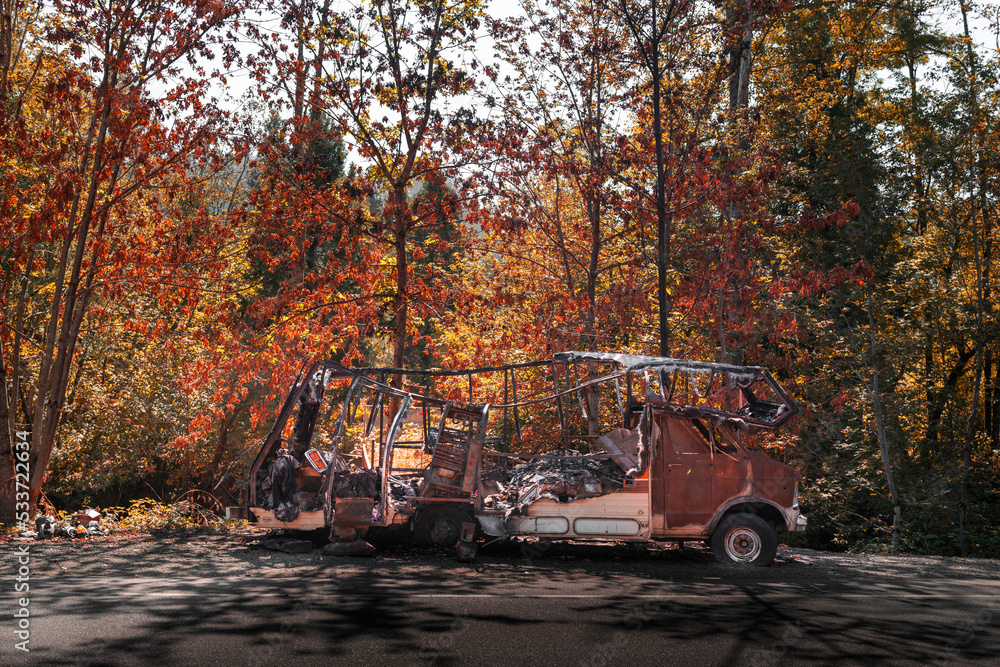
(530, 614)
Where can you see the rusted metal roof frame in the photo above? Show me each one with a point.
(742, 376)
(636, 362)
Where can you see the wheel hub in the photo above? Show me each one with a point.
(444, 531)
(743, 545)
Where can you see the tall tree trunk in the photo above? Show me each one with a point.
(15, 389)
(995, 433)
(929, 392)
(7, 496)
(992, 389)
(399, 210)
(939, 399)
(988, 415)
(71, 297)
(6, 50)
(738, 20)
(663, 230)
(648, 45)
(883, 443)
(974, 158)
(9, 403)
(591, 395)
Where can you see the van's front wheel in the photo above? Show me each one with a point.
(744, 539)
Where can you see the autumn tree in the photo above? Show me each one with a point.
(879, 171)
(119, 114)
(548, 171)
(980, 218)
(659, 31)
(393, 89)
(341, 254)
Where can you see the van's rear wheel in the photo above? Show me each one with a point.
(744, 539)
(440, 525)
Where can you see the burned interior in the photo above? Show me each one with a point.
(585, 445)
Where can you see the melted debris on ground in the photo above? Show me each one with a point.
(85, 523)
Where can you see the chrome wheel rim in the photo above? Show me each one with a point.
(743, 545)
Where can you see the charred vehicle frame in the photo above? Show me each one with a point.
(586, 446)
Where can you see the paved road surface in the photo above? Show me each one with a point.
(529, 614)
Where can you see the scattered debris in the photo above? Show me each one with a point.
(576, 476)
(86, 517)
(281, 483)
(86, 523)
(357, 547)
(288, 546)
(359, 483)
(45, 526)
(308, 501)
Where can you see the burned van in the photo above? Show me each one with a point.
(585, 446)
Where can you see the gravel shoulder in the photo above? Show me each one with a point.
(239, 553)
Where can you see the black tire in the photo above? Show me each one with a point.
(744, 539)
(465, 552)
(440, 526)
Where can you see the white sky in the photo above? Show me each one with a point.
(985, 32)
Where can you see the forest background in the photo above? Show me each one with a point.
(200, 196)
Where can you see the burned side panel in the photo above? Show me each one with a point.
(301, 469)
(693, 477)
(621, 515)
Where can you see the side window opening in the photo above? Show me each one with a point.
(714, 438)
(686, 440)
